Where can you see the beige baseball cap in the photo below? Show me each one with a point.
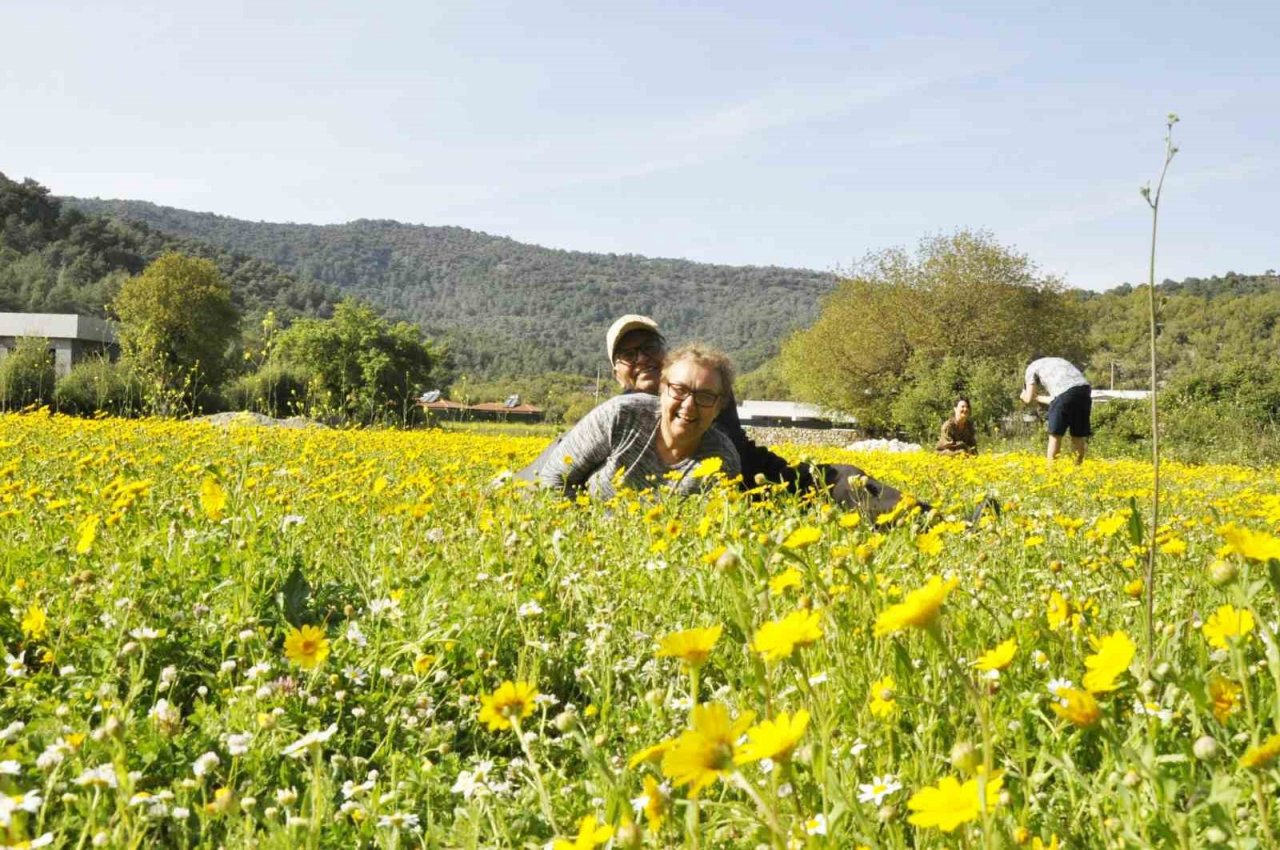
(622, 326)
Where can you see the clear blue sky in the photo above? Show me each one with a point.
(753, 131)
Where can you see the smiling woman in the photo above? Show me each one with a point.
(639, 440)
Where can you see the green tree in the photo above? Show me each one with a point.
(929, 393)
(177, 321)
(362, 366)
(962, 295)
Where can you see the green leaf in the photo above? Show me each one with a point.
(1135, 522)
(294, 597)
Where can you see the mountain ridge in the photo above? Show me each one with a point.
(504, 304)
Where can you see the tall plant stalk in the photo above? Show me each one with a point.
(1153, 201)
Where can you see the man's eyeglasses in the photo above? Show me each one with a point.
(651, 350)
(702, 398)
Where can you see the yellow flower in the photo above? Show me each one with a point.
(307, 647)
(1109, 525)
(919, 609)
(1078, 707)
(882, 697)
(86, 533)
(702, 754)
(1174, 546)
(773, 739)
(803, 536)
(1263, 754)
(213, 498)
(1037, 844)
(422, 664)
(35, 624)
(1254, 545)
(777, 639)
(1225, 696)
(591, 834)
(1227, 622)
(790, 577)
(510, 700)
(929, 543)
(1133, 589)
(656, 803)
(951, 803)
(708, 467)
(1059, 611)
(654, 753)
(692, 646)
(850, 520)
(998, 658)
(1114, 653)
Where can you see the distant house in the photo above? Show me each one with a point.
(71, 338)
(442, 408)
(501, 412)
(790, 414)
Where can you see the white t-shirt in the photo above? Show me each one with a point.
(1055, 375)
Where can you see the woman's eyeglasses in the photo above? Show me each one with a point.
(702, 398)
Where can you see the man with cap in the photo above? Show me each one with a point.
(636, 349)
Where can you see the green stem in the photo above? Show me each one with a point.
(543, 797)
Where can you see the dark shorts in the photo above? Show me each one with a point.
(1070, 411)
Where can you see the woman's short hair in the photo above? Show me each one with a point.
(708, 358)
(963, 398)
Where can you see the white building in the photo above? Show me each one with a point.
(71, 338)
(790, 414)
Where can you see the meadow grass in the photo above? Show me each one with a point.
(255, 637)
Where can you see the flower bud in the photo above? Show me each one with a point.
(566, 721)
(1205, 748)
(1223, 572)
(627, 835)
(728, 562)
(1131, 778)
(965, 757)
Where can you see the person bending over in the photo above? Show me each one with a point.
(1070, 403)
(640, 441)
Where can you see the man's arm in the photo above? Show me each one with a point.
(1029, 393)
(580, 452)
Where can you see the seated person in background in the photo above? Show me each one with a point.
(636, 351)
(957, 437)
(637, 440)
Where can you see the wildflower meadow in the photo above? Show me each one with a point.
(249, 637)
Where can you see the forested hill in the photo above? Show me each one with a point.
(508, 307)
(1227, 322)
(55, 259)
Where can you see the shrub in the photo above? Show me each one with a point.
(98, 385)
(27, 374)
(277, 390)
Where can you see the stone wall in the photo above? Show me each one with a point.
(802, 436)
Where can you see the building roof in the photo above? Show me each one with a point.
(442, 404)
(57, 326)
(499, 407)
